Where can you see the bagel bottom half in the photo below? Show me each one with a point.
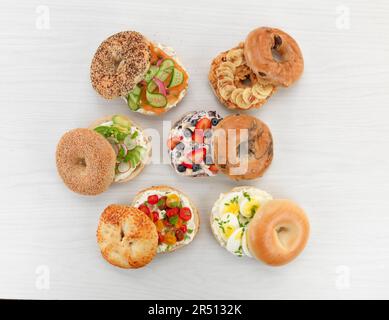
(242, 133)
(278, 233)
(126, 236)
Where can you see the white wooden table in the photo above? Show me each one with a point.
(331, 149)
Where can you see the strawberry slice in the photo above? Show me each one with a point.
(213, 168)
(198, 155)
(187, 165)
(172, 142)
(203, 124)
(198, 136)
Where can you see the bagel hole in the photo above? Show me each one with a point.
(81, 162)
(247, 82)
(276, 55)
(121, 234)
(287, 236)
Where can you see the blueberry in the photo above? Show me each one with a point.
(181, 168)
(214, 121)
(208, 133)
(180, 146)
(188, 133)
(208, 159)
(193, 122)
(196, 167)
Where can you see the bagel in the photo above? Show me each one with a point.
(278, 233)
(85, 161)
(125, 168)
(234, 83)
(126, 236)
(260, 48)
(248, 222)
(256, 139)
(190, 144)
(164, 203)
(120, 62)
(148, 76)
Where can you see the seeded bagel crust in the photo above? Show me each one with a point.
(85, 161)
(120, 62)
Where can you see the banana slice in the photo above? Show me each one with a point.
(225, 82)
(240, 102)
(262, 90)
(222, 73)
(235, 93)
(227, 65)
(235, 57)
(249, 97)
(226, 91)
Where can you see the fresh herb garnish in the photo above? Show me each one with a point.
(247, 196)
(173, 220)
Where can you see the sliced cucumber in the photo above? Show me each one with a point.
(157, 100)
(120, 121)
(153, 70)
(177, 78)
(133, 102)
(161, 75)
(166, 64)
(136, 91)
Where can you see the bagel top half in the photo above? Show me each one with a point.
(126, 236)
(85, 161)
(243, 147)
(131, 144)
(120, 62)
(174, 214)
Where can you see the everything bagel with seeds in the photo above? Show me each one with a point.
(148, 76)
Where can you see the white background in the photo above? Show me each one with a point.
(330, 131)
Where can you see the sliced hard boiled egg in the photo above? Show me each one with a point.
(227, 224)
(230, 204)
(249, 207)
(245, 247)
(234, 243)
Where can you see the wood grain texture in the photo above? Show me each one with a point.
(330, 131)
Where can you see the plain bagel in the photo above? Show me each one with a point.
(278, 233)
(259, 144)
(85, 161)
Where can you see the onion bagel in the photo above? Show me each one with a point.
(127, 237)
(237, 134)
(274, 55)
(248, 222)
(85, 161)
(131, 145)
(174, 214)
(234, 83)
(148, 76)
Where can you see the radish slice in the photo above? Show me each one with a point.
(123, 167)
(161, 86)
(159, 62)
(130, 143)
(124, 148)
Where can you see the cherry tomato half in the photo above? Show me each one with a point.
(185, 213)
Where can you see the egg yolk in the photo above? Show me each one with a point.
(232, 207)
(228, 230)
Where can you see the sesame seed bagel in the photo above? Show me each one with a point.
(147, 157)
(120, 62)
(127, 237)
(85, 161)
